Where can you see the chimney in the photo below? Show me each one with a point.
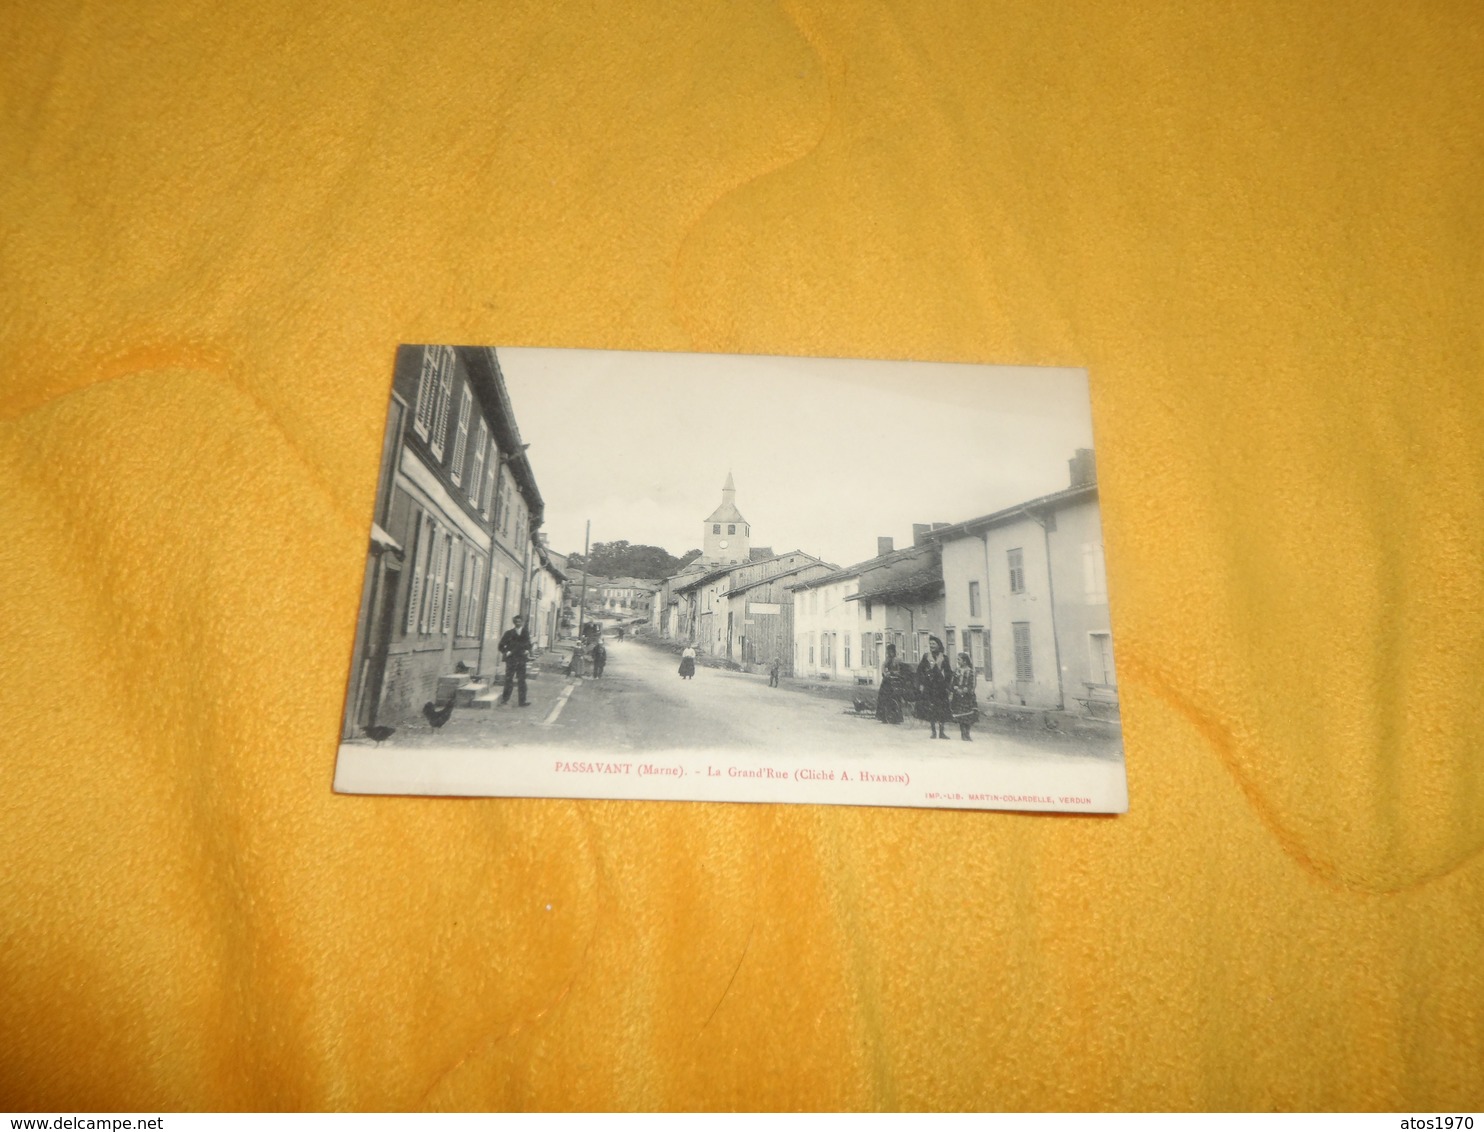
(1084, 468)
(883, 545)
(920, 533)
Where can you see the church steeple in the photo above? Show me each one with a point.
(726, 537)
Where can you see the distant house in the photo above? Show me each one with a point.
(625, 598)
(1029, 582)
(451, 546)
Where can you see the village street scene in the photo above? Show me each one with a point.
(982, 633)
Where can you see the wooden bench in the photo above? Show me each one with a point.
(1101, 701)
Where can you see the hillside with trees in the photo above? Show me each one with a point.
(621, 559)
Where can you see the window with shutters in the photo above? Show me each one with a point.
(452, 555)
(433, 383)
(432, 582)
(476, 470)
(973, 599)
(846, 657)
(465, 588)
(1022, 632)
(950, 643)
(1094, 572)
(487, 494)
(731, 528)
(1017, 571)
(978, 655)
(419, 573)
(432, 616)
(716, 528)
(468, 594)
(461, 435)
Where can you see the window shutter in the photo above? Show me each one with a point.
(427, 392)
(489, 480)
(466, 578)
(428, 623)
(448, 596)
(476, 474)
(415, 587)
(445, 395)
(1022, 630)
(1093, 572)
(461, 435)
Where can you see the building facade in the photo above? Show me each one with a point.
(1031, 582)
(761, 612)
(706, 617)
(548, 582)
(451, 549)
(844, 619)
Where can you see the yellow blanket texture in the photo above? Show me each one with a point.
(1258, 225)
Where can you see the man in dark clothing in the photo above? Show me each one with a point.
(515, 647)
(773, 672)
(600, 657)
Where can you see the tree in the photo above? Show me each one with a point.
(623, 559)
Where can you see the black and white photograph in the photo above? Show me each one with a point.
(605, 574)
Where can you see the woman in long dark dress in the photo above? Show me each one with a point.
(935, 685)
(963, 701)
(688, 663)
(889, 698)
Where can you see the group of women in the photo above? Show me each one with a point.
(941, 694)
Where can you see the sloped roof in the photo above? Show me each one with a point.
(995, 518)
(726, 513)
(774, 577)
(908, 581)
(708, 577)
(908, 554)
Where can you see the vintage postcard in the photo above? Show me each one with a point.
(601, 574)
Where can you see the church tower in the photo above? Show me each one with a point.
(726, 536)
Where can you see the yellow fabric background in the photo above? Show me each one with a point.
(1257, 224)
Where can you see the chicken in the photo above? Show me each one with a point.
(378, 732)
(438, 716)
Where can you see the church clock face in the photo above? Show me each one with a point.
(722, 544)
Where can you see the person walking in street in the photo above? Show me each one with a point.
(515, 649)
(773, 670)
(688, 663)
(935, 686)
(600, 658)
(889, 698)
(964, 702)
